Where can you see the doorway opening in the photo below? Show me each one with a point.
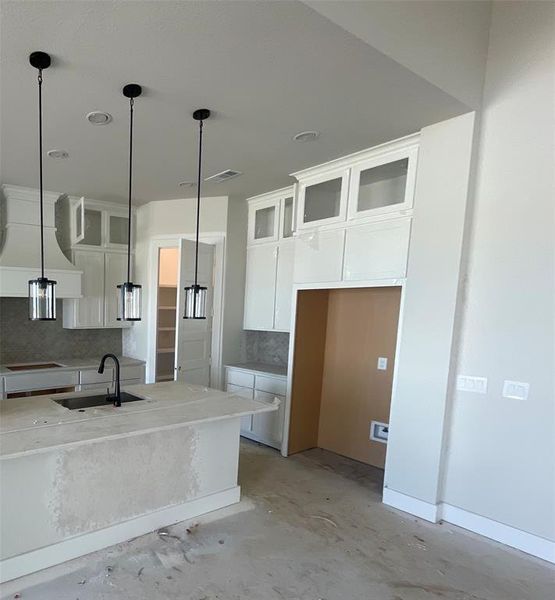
(344, 358)
(166, 314)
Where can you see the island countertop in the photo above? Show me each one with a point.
(38, 424)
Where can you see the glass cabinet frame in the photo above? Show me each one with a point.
(411, 155)
(277, 201)
(342, 174)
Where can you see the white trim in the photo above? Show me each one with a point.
(505, 534)
(17, 566)
(499, 532)
(408, 504)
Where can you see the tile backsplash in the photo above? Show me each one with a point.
(268, 347)
(22, 340)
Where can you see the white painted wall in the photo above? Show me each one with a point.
(500, 461)
(419, 400)
(443, 42)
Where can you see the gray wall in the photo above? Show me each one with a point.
(22, 340)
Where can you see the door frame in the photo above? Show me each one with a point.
(217, 240)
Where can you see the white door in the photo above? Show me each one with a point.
(90, 308)
(260, 289)
(284, 285)
(194, 336)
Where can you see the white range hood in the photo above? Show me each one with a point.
(20, 245)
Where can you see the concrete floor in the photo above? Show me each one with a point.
(310, 527)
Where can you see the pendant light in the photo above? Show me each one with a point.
(42, 291)
(129, 294)
(195, 295)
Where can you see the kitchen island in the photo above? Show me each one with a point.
(75, 481)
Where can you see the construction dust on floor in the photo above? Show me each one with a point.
(309, 527)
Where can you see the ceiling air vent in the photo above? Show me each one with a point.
(223, 176)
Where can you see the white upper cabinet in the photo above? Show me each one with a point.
(260, 288)
(319, 256)
(271, 216)
(322, 199)
(383, 184)
(284, 285)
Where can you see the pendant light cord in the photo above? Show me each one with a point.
(40, 178)
(198, 198)
(131, 103)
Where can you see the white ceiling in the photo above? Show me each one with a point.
(266, 69)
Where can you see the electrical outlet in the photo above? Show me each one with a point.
(477, 385)
(379, 432)
(517, 390)
(382, 363)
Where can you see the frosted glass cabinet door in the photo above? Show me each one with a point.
(92, 233)
(383, 184)
(117, 230)
(263, 221)
(260, 287)
(323, 199)
(288, 218)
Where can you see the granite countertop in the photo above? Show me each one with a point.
(69, 364)
(39, 424)
(261, 368)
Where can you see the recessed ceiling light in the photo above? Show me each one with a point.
(306, 136)
(98, 117)
(187, 184)
(58, 154)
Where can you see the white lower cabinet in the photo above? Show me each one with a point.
(377, 250)
(266, 428)
(319, 256)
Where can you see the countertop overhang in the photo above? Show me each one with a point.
(38, 424)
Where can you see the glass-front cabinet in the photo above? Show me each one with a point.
(383, 184)
(97, 224)
(322, 199)
(271, 216)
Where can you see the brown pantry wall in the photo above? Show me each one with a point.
(337, 388)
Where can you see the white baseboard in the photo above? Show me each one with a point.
(33, 561)
(505, 534)
(411, 505)
(516, 538)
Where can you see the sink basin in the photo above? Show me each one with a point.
(81, 402)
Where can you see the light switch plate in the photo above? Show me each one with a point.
(517, 390)
(468, 383)
(382, 363)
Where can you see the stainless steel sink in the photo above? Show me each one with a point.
(81, 402)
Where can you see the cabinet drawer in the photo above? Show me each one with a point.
(240, 378)
(42, 381)
(93, 376)
(244, 392)
(272, 385)
(136, 372)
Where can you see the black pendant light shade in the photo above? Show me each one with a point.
(42, 291)
(195, 295)
(129, 294)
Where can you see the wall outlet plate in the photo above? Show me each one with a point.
(469, 383)
(516, 390)
(379, 432)
(382, 363)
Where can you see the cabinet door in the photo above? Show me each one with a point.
(263, 222)
(319, 256)
(92, 232)
(260, 289)
(284, 285)
(89, 310)
(287, 225)
(77, 225)
(323, 199)
(115, 274)
(246, 421)
(268, 427)
(377, 250)
(383, 185)
(117, 230)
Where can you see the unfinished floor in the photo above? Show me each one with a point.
(310, 527)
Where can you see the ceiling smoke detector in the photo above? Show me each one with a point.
(306, 136)
(223, 176)
(58, 154)
(98, 117)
